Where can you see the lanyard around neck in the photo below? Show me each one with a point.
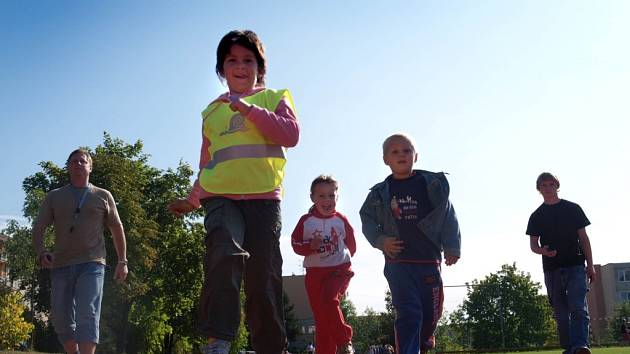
(80, 202)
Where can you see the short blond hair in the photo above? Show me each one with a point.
(83, 151)
(392, 137)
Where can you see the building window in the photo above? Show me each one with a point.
(307, 330)
(623, 275)
(624, 296)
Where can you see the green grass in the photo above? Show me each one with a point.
(612, 350)
(10, 352)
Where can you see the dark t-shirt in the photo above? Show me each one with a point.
(557, 227)
(410, 204)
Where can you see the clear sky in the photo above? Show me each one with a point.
(494, 92)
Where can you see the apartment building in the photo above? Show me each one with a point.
(611, 289)
(296, 291)
(3, 259)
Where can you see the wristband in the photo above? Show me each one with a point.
(125, 262)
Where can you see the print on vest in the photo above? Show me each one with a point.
(405, 208)
(237, 124)
(330, 243)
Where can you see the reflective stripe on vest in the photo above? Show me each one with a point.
(242, 159)
(245, 151)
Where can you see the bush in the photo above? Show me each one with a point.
(14, 330)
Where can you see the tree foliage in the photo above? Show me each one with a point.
(505, 310)
(34, 283)
(347, 307)
(620, 312)
(448, 336)
(154, 310)
(371, 327)
(241, 342)
(387, 321)
(14, 329)
(291, 324)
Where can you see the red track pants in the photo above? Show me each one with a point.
(325, 287)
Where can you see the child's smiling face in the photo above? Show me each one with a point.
(240, 69)
(400, 157)
(324, 197)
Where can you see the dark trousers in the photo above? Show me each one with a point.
(418, 297)
(242, 243)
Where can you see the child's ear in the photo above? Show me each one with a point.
(312, 198)
(415, 157)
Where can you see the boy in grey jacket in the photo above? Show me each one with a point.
(410, 218)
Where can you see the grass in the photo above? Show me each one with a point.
(611, 350)
(10, 352)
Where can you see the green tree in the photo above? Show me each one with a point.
(33, 282)
(371, 327)
(347, 307)
(241, 342)
(448, 336)
(459, 332)
(505, 310)
(165, 253)
(387, 321)
(14, 329)
(620, 312)
(154, 310)
(366, 328)
(291, 325)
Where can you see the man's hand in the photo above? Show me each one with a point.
(450, 260)
(180, 207)
(392, 246)
(121, 272)
(545, 251)
(46, 259)
(591, 274)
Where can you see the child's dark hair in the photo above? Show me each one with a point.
(249, 40)
(322, 179)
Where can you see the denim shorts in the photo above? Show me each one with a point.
(76, 295)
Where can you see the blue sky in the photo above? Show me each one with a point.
(494, 93)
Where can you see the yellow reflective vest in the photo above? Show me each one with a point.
(242, 160)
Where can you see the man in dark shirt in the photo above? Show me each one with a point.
(557, 231)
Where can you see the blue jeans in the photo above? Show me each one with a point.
(566, 290)
(418, 297)
(76, 295)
